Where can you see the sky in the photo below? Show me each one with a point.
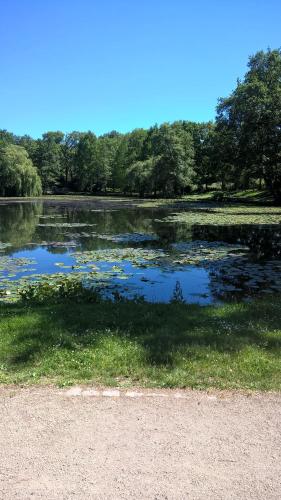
(105, 65)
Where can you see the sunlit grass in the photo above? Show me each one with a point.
(174, 345)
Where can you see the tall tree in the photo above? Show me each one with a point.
(18, 177)
(7, 137)
(141, 176)
(174, 169)
(69, 152)
(50, 160)
(252, 114)
(85, 162)
(119, 164)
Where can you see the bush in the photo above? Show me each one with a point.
(58, 291)
(220, 196)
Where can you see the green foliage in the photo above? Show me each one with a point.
(140, 176)
(85, 162)
(69, 149)
(165, 165)
(174, 170)
(64, 289)
(220, 196)
(118, 171)
(7, 138)
(18, 177)
(50, 158)
(249, 121)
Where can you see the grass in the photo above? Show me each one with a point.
(246, 196)
(235, 346)
(250, 196)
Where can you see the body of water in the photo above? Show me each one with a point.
(137, 252)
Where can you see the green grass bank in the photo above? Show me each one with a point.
(251, 196)
(234, 346)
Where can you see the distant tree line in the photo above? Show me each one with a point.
(241, 149)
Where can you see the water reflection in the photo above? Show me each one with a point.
(18, 222)
(264, 241)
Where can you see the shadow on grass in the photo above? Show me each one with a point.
(160, 329)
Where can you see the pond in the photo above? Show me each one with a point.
(199, 254)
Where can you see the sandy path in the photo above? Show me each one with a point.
(198, 446)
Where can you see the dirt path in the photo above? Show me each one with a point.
(61, 444)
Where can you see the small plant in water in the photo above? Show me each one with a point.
(177, 294)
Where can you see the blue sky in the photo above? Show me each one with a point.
(121, 64)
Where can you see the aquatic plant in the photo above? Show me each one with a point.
(226, 215)
(204, 252)
(3, 246)
(241, 278)
(64, 224)
(177, 294)
(128, 237)
(11, 266)
(134, 255)
(60, 290)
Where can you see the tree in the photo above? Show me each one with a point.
(173, 171)
(50, 160)
(140, 176)
(119, 164)
(203, 142)
(104, 157)
(252, 115)
(18, 176)
(7, 137)
(69, 152)
(31, 146)
(85, 162)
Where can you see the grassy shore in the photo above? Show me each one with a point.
(251, 196)
(175, 345)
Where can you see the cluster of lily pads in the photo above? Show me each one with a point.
(105, 210)
(58, 244)
(195, 252)
(128, 237)
(203, 252)
(11, 266)
(240, 277)
(3, 246)
(226, 216)
(81, 234)
(55, 216)
(94, 279)
(137, 256)
(65, 224)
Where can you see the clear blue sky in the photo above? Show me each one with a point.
(120, 64)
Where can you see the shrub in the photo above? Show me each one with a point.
(60, 290)
(220, 196)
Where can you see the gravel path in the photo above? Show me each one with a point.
(61, 444)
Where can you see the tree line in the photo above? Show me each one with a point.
(241, 149)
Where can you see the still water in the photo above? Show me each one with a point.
(136, 252)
